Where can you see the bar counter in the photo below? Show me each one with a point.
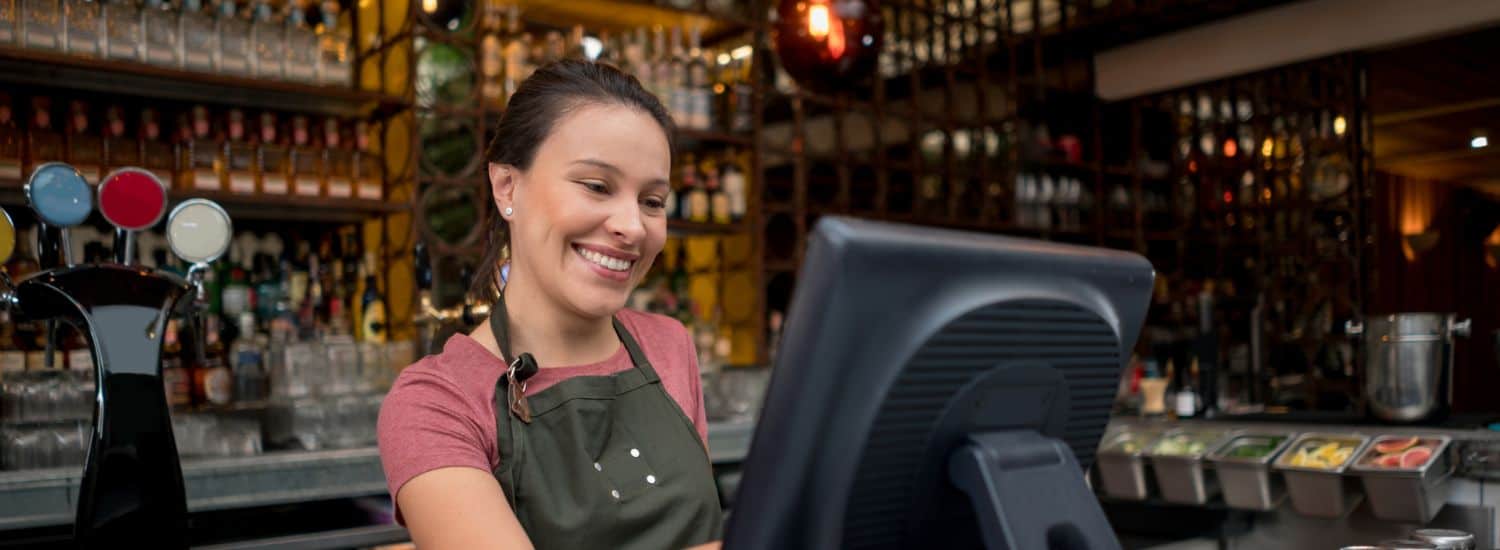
(1467, 503)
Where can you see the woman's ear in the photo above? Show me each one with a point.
(503, 180)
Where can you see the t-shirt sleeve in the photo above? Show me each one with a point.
(423, 426)
(695, 384)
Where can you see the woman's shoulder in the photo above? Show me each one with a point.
(652, 326)
(463, 369)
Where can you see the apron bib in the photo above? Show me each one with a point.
(602, 461)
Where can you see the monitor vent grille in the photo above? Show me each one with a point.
(1070, 338)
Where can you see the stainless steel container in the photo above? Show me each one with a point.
(1122, 466)
(1247, 481)
(1406, 494)
(1445, 539)
(1409, 363)
(1177, 457)
(1321, 491)
(1406, 544)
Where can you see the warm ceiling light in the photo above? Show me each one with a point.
(741, 52)
(1267, 147)
(817, 21)
(1339, 125)
(430, 6)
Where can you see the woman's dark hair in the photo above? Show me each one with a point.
(545, 97)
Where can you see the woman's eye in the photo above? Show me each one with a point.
(654, 203)
(595, 186)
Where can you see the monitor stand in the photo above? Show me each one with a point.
(1029, 493)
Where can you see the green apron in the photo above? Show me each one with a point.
(602, 461)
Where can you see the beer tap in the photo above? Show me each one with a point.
(61, 199)
(132, 491)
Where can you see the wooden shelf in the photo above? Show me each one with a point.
(128, 78)
(685, 228)
(257, 207)
(687, 138)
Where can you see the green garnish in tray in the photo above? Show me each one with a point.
(1255, 447)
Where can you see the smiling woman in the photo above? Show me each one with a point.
(565, 420)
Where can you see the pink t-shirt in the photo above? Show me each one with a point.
(441, 412)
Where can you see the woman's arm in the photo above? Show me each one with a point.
(459, 508)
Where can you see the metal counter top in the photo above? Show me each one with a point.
(35, 498)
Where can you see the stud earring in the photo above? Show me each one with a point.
(509, 211)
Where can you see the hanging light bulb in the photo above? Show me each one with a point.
(829, 44)
(1340, 125)
(430, 6)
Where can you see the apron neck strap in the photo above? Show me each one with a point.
(500, 327)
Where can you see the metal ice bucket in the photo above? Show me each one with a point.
(1409, 363)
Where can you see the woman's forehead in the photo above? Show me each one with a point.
(621, 136)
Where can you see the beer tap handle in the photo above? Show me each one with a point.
(199, 231)
(62, 199)
(132, 200)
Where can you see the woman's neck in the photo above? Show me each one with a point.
(551, 333)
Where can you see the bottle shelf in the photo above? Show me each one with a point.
(685, 228)
(257, 207)
(116, 77)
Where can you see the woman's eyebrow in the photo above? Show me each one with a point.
(600, 164)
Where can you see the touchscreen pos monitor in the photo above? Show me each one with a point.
(940, 389)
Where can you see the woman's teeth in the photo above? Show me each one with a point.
(612, 264)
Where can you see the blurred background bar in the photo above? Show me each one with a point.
(1313, 181)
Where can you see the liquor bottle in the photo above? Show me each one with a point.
(267, 41)
(85, 144)
(235, 51)
(236, 296)
(307, 161)
(297, 282)
(199, 40)
(636, 58)
(272, 155)
(698, 199)
(238, 160)
(373, 320)
(369, 182)
(44, 143)
(122, 30)
(159, 27)
(517, 49)
(84, 26)
(661, 69)
(700, 90)
(491, 65)
(12, 141)
(554, 47)
(335, 64)
(267, 284)
(42, 24)
(201, 148)
(10, 14)
(687, 182)
(733, 181)
(301, 44)
(213, 383)
(718, 200)
(338, 168)
(120, 148)
(174, 374)
(742, 96)
(677, 80)
(248, 367)
(156, 152)
(575, 46)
